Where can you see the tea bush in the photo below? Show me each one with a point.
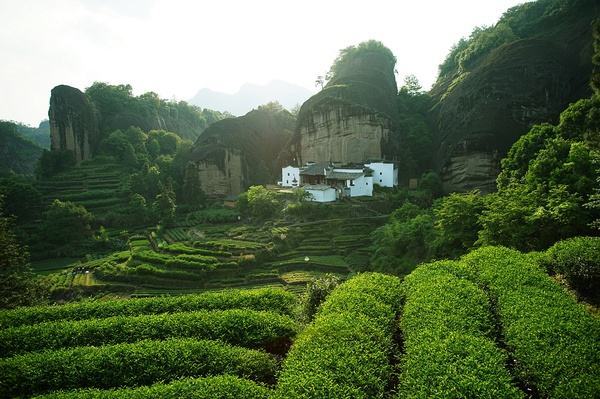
(447, 328)
(121, 365)
(555, 341)
(345, 352)
(270, 299)
(241, 327)
(222, 387)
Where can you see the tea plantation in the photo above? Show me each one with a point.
(493, 324)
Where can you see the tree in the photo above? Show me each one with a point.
(17, 285)
(165, 203)
(21, 198)
(53, 162)
(456, 223)
(192, 191)
(67, 223)
(411, 85)
(320, 81)
(262, 203)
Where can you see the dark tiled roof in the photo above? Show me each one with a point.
(344, 175)
(319, 187)
(317, 169)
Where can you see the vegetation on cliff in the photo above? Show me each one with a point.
(17, 154)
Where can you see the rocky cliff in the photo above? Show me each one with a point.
(351, 119)
(482, 106)
(235, 153)
(73, 123)
(80, 121)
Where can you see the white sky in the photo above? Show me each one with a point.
(176, 47)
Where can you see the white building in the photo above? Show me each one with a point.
(290, 176)
(385, 174)
(350, 182)
(320, 193)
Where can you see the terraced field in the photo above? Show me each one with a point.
(95, 184)
(196, 257)
(491, 325)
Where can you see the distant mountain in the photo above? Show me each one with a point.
(17, 154)
(38, 135)
(250, 96)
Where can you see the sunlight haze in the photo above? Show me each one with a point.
(175, 48)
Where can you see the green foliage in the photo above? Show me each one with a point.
(241, 327)
(17, 284)
(447, 328)
(344, 60)
(403, 242)
(268, 299)
(21, 199)
(165, 204)
(118, 145)
(192, 190)
(54, 162)
(121, 365)
(553, 339)
(456, 223)
(578, 259)
(19, 155)
(344, 352)
(222, 387)
(548, 177)
(66, 223)
(118, 108)
(262, 203)
(316, 292)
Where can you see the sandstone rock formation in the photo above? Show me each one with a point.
(233, 154)
(351, 119)
(481, 111)
(73, 123)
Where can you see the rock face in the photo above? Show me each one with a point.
(73, 123)
(339, 136)
(225, 180)
(350, 120)
(479, 113)
(233, 154)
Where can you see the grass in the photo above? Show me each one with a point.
(47, 266)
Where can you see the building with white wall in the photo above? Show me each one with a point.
(320, 193)
(385, 174)
(350, 182)
(290, 176)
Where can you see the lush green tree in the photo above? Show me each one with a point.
(456, 223)
(167, 141)
(192, 190)
(117, 144)
(404, 240)
(165, 204)
(53, 162)
(262, 203)
(17, 285)
(67, 223)
(21, 198)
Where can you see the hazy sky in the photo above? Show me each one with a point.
(175, 47)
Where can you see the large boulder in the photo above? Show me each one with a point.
(73, 123)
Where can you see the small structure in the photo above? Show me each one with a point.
(385, 174)
(320, 192)
(345, 181)
(351, 182)
(230, 201)
(290, 176)
(314, 173)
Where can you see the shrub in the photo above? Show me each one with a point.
(578, 259)
(554, 340)
(345, 352)
(447, 327)
(136, 364)
(223, 387)
(270, 299)
(241, 327)
(316, 292)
